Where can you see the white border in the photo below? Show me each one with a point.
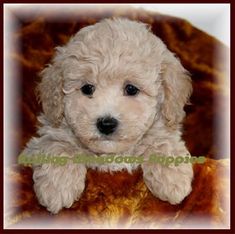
(11, 69)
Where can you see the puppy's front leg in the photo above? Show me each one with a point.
(59, 186)
(56, 186)
(169, 183)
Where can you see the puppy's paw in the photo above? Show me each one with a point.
(169, 184)
(58, 187)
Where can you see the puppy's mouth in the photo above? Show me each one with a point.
(110, 139)
(109, 145)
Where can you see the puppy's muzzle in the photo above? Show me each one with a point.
(106, 125)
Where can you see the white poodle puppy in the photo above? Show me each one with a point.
(114, 88)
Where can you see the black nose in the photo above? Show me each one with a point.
(107, 125)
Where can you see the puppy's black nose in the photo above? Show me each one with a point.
(107, 125)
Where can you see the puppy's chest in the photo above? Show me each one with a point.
(112, 163)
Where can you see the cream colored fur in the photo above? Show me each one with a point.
(109, 55)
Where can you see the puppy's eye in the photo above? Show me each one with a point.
(88, 89)
(131, 90)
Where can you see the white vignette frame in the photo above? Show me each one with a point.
(10, 70)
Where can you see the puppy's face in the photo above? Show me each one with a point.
(109, 83)
(109, 111)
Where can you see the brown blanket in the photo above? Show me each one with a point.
(121, 199)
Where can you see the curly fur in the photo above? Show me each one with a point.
(110, 54)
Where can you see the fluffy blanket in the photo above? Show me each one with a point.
(121, 199)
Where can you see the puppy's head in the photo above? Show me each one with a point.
(111, 82)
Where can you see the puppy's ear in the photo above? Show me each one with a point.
(177, 89)
(50, 93)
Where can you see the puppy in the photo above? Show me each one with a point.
(114, 88)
